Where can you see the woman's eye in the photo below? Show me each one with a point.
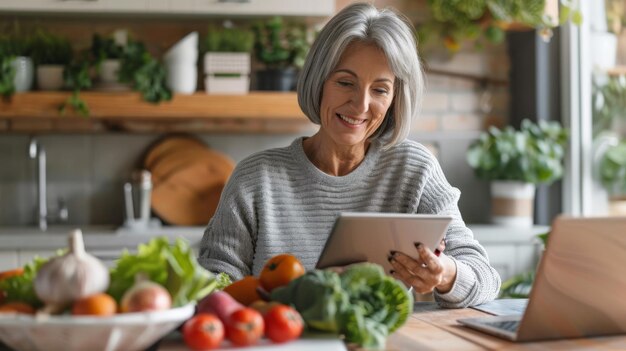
(381, 91)
(344, 83)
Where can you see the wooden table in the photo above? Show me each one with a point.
(433, 328)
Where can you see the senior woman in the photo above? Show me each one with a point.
(362, 84)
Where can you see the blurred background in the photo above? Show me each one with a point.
(97, 91)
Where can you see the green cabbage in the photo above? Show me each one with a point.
(362, 303)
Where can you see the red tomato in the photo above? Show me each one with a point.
(283, 323)
(245, 327)
(280, 270)
(204, 331)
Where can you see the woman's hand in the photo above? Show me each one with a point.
(429, 271)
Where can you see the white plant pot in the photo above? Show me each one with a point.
(603, 49)
(227, 85)
(182, 79)
(617, 206)
(217, 64)
(512, 203)
(50, 77)
(109, 71)
(24, 73)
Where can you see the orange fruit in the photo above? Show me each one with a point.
(95, 305)
(280, 270)
(244, 290)
(17, 307)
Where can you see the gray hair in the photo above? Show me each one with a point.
(394, 35)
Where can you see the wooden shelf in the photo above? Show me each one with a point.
(254, 112)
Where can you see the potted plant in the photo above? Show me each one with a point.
(486, 20)
(282, 49)
(16, 65)
(227, 60)
(609, 104)
(106, 55)
(51, 54)
(613, 177)
(138, 69)
(144, 73)
(514, 161)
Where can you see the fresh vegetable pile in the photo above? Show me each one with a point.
(158, 277)
(225, 315)
(362, 303)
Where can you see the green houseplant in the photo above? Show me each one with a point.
(227, 60)
(282, 48)
(16, 64)
(138, 68)
(515, 161)
(144, 73)
(106, 57)
(51, 53)
(613, 171)
(609, 104)
(483, 21)
(519, 286)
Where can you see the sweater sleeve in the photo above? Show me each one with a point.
(228, 242)
(476, 280)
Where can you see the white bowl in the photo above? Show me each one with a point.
(128, 331)
(184, 51)
(182, 79)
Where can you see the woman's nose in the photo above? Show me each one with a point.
(360, 100)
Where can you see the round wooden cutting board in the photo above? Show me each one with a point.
(188, 179)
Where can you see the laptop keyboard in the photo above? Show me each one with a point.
(505, 325)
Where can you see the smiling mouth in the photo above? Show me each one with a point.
(354, 122)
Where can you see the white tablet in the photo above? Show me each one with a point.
(369, 236)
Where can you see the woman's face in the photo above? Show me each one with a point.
(356, 95)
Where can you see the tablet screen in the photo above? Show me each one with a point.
(369, 237)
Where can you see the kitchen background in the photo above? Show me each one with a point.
(88, 168)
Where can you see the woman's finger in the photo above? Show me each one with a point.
(429, 258)
(410, 264)
(418, 284)
(441, 247)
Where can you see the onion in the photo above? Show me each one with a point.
(145, 295)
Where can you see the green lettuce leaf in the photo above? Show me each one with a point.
(173, 266)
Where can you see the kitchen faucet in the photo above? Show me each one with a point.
(37, 151)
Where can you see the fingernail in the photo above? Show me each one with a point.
(417, 245)
(437, 252)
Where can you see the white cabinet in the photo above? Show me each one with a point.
(304, 8)
(25, 256)
(52, 5)
(262, 7)
(511, 250)
(8, 260)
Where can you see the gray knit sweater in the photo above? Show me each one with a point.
(277, 201)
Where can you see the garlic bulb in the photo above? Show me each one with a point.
(70, 277)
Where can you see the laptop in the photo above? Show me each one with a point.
(579, 289)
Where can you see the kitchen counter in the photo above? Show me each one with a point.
(19, 245)
(95, 237)
(511, 250)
